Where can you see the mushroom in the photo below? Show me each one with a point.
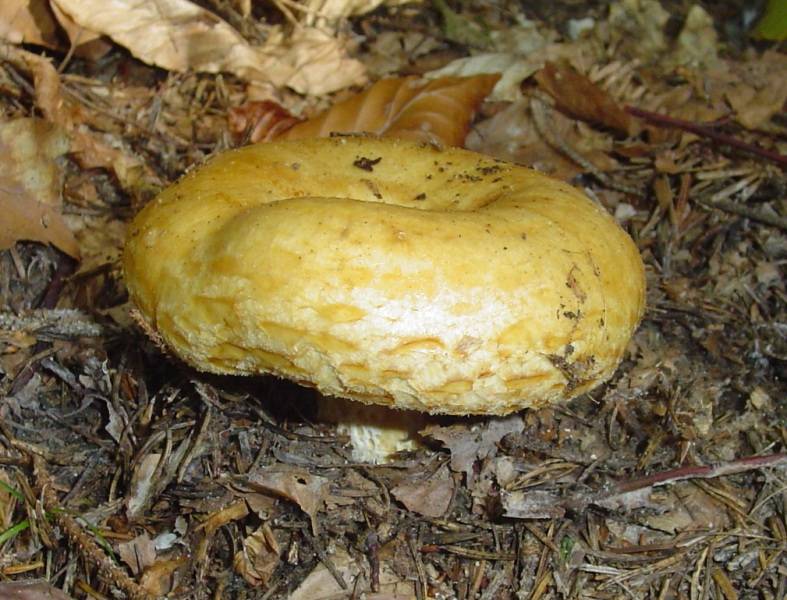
(388, 273)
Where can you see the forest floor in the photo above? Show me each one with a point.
(126, 474)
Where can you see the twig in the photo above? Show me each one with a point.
(539, 109)
(497, 582)
(77, 536)
(369, 473)
(474, 553)
(324, 559)
(733, 467)
(707, 131)
(541, 537)
(745, 211)
(413, 543)
(630, 493)
(372, 546)
(268, 423)
(62, 323)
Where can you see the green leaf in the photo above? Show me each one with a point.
(13, 491)
(13, 531)
(773, 24)
(566, 546)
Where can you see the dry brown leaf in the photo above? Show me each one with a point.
(520, 52)
(179, 35)
(512, 135)
(160, 579)
(320, 584)
(30, 185)
(697, 43)
(231, 512)
(431, 498)
(392, 52)
(85, 43)
(683, 102)
(259, 121)
(438, 111)
(259, 557)
(29, 22)
(46, 81)
(686, 507)
(755, 89)
(470, 443)
(89, 148)
(142, 484)
(298, 485)
(580, 98)
(226, 514)
(531, 504)
(31, 590)
(138, 554)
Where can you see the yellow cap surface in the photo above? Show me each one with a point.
(388, 272)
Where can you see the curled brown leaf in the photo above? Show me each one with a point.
(437, 112)
(579, 97)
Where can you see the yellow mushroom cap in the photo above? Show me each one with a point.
(388, 272)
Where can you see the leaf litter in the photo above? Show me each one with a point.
(125, 474)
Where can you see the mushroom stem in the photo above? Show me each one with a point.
(376, 432)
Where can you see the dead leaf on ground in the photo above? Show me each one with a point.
(259, 557)
(138, 553)
(392, 52)
(523, 53)
(143, 483)
(752, 93)
(231, 512)
(320, 584)
(686, 507)
(29, 22)
(178, 35)
(580, 98)
(531, 504)
(91, 149)
(470, 443)
(512, 135)
(160, 578)
(31, 590)
(296, 484)
(84, 43)
(697, 43)
(754, 89)
(260, 120)
(30, 185)
(438, 111)
(431, 497)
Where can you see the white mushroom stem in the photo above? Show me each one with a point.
(376, 433)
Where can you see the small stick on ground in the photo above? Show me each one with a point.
(373, 556)
(324, 559)
(77, 536)
(414, 544)
(749, 213)
(539, 108)
(707, 131)
(732, 467)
